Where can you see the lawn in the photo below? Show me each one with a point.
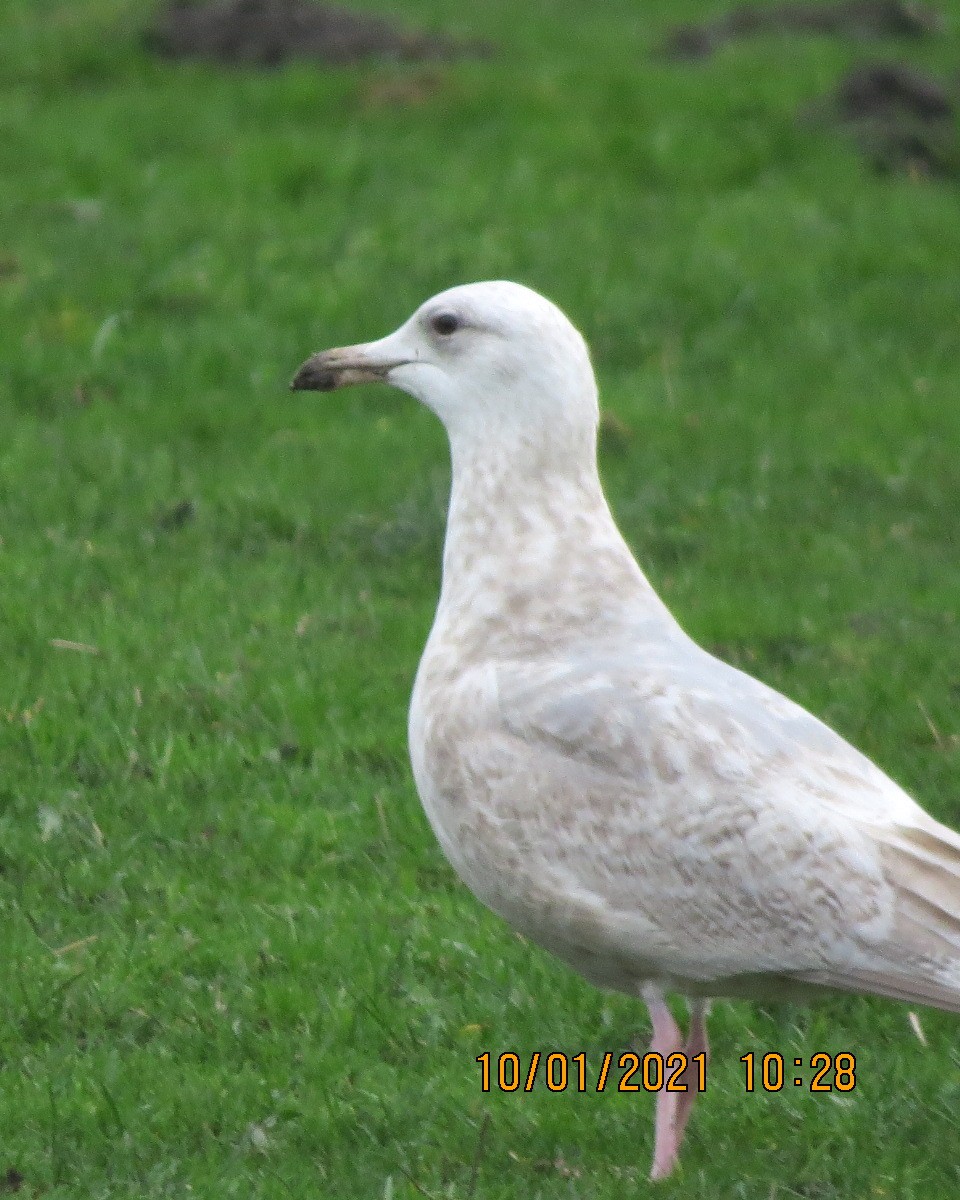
(233, 960)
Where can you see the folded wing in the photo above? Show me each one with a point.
(720, 831)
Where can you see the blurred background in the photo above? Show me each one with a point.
(232, 959)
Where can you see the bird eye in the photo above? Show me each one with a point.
(445, 323)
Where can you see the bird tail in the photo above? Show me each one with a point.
(919, 960)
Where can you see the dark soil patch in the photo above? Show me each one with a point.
(880, 90)
(862, 20)
(901, 119)
(269, 32)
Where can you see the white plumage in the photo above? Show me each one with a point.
(656, 818)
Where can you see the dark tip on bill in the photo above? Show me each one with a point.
(314, 377)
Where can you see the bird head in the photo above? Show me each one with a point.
(493, 356)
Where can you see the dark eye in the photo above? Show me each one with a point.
(445, 323)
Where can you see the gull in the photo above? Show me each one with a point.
(659, 820)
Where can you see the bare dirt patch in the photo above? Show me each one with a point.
(901, 119)
(270, 32)
(861, 20)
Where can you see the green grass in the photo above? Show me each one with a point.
(233, 961)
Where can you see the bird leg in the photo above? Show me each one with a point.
(666, 1040)
(697, 1043)
(673, 1108)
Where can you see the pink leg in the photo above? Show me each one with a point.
(666, 1040)
(696, 1044)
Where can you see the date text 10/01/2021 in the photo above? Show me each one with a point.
(651, 1072)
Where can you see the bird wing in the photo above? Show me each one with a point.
(716, 830)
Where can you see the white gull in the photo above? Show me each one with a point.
(656, 818)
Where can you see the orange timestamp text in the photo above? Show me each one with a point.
(627, 1072)
(831, 1072)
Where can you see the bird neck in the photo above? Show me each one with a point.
(531, 546)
